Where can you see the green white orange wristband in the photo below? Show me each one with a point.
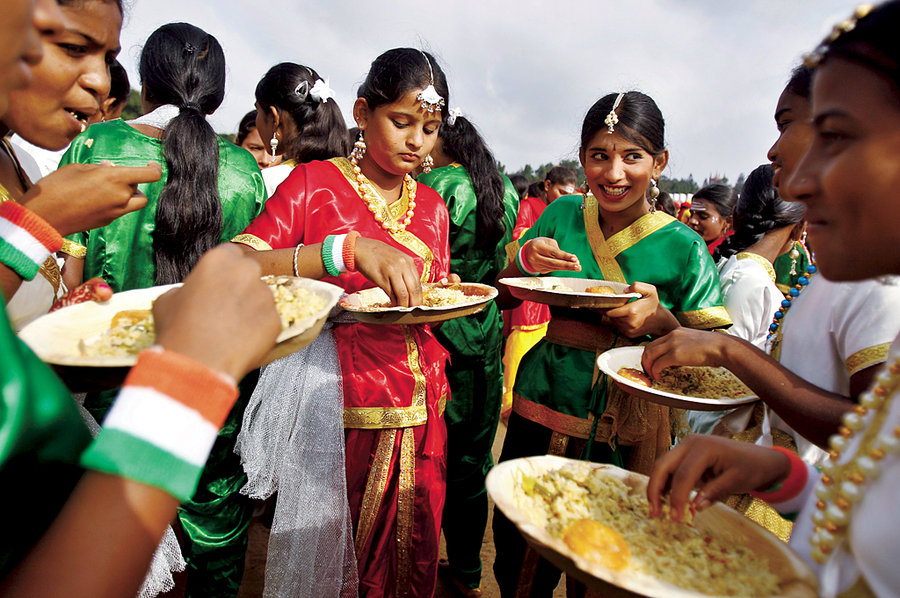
(26, 239)
(164, 423)
(332, 254)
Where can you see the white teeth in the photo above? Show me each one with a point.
(83, 126)
(614, 190)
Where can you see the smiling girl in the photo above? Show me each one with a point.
(611, 234)
(358, 223)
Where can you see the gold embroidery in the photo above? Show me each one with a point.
(602, 254)
(412, 356)
(377, 418)
(5, 195)
(405, 512)
(867, 357)
(547, 417)
(391, 214)
(746, 255)
(74, 249)
(50, 271)
(442, 405)
(252, 241)
(512, 248)
(375, 487)
(558, 444)
(710, 317)
(641, 228)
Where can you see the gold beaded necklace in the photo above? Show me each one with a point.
(377, 204)
(842, 484)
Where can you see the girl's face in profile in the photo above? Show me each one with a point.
(707, 221)
(850, 174)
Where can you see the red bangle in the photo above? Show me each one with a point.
(348, 252)
(791, 486)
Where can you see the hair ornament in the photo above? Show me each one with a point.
(430, 98)
(321, 91)
(813, 59)
(302, 90)
(452, 115)
(612, 119)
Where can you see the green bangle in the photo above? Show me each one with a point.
(328, 258)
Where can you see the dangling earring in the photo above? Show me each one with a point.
(359, 150)
(273, 143)
(427, 163)
(653, 193)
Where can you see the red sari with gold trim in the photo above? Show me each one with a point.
(393, 376)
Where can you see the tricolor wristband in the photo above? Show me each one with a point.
(26, 239)
(790, 487)
(520, 261)
(348, 251)
(164, 423)
(328, 261)
(337, 253)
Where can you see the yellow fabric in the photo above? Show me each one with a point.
(517, 345)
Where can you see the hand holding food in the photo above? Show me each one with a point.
(543, 255)
(391, 269)
(717, 467)
(642, 316)
(685, 346)
(80, 197)
(244, 310)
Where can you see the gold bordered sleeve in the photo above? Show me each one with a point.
(867, 357)
(74, 249)
(704, 319)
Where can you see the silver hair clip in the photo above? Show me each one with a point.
(302, 90)
(612, 119)
(430, 98)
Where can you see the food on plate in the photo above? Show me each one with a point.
(131, 331)
(601, 517)
(599, 543)
(435, 295)
(636, 375)
(600, 290)
(692, 381)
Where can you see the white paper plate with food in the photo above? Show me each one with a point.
(570, 292)
(112, 333)
(591, 520)
(686, 387)
(439, 303)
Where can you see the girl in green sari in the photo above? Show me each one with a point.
(612, 233)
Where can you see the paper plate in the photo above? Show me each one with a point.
(568, 292)
(360, 305)
(55, 337)
(504, 486)
(613, 360)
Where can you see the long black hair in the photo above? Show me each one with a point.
(463, 144)
(185, 66)
(759, 210)
(401, 70)
(321, 131)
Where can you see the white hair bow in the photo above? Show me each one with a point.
(453, 114)
(321, 92)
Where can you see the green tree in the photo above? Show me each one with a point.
(132, 108)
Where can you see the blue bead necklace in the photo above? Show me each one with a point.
(775, 328)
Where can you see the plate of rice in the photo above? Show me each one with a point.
(112, 333)
(570, 292)
(592, 521)
(439, 303)
(685, 387)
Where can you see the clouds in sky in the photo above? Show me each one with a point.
(526, 71)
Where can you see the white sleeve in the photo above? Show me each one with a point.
(751, 299)
(865, 320)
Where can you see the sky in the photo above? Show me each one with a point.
(526, 71)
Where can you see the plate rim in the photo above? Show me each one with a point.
(652, 394)
(492, 294)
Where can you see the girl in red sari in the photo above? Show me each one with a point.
(364, 222)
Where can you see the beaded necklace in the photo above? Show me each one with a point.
(376, 203)
(842, 484)
(776, 332)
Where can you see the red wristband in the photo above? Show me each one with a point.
(791, 486)
(348, 252)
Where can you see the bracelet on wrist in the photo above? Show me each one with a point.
(337, 253)
(294, 262)
(26, 239)
(348, 251)
(162, 427)
(520, 261)
(327, 258)
(790, 486)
